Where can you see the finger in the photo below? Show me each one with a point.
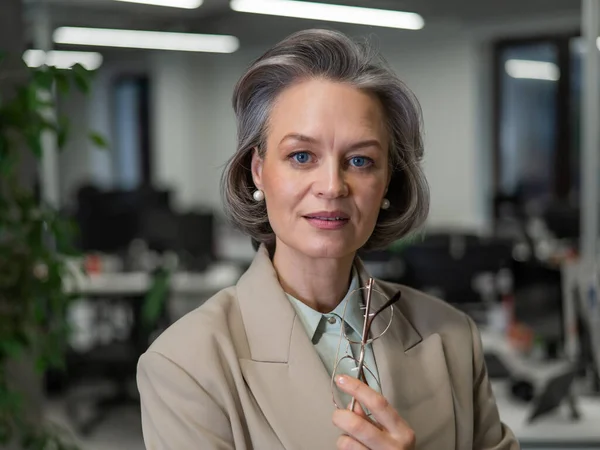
(345, 442)
(358, 409)
(380, 408)
(361, 429)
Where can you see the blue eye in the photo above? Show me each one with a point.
(359, 161)
(301, 157)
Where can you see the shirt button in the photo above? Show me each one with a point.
(332, 320)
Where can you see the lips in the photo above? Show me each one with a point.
(328, 215)
(331, 219)
(328, 220)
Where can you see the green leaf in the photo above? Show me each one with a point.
(48, 103)
(82, 71)
(28, 439)
(12, 348)
(44, 79)
(98, 140)
(62, 132)
(25, 102)
(66, 232)
(10, 400)
(44, 123)
(8, 158)
(155, 299)
(34, 142)
(33, 101)
(41, 365)
(82, 77)
(35, 440)
(62, 82)
(6, 432)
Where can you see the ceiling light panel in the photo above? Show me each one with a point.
(533, 70)
(331, 13)
(155, 40)
(62, 59)
(187, 4)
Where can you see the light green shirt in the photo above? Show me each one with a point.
(324, 331)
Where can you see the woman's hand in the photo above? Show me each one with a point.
(389, 432)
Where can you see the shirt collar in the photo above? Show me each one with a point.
(311, 318)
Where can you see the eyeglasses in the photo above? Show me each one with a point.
(357, 366)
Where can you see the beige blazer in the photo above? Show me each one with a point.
(240, 372)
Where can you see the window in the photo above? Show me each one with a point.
(536, 126)
(132, 162)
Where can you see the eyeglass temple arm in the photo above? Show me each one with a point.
(387, 304)
(390, 302)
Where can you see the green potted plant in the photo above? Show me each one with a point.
(34, 243)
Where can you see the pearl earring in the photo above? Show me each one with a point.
(258, 195)
(385, 203)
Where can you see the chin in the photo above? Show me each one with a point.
(327, 247)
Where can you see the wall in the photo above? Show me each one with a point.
(442, 74)
(81, 162)
(449, 69)
(194, 127)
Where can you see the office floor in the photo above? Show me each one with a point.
(120, 431)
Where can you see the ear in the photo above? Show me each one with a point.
(256, 168)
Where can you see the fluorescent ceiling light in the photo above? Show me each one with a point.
(331, 13)
(187, 4)
(156, 40)
(533, 70)
(62, 59)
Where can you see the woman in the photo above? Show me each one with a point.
(328, 157)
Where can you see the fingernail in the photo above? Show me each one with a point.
(341, 379)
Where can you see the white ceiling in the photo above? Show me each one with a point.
(459, 9)
(216, 16)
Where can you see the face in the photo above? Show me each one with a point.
(325, 169)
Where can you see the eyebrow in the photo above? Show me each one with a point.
(299, 137)
(358, 145)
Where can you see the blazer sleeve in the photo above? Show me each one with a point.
(177, 413)
(489, 432)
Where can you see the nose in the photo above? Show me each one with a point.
(331, 182)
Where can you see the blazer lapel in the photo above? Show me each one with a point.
(284, 373)
(414, 376)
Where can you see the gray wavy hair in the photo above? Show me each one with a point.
(334, 56)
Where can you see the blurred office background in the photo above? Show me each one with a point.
(504, 94)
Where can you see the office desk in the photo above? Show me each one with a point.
(187, 291)
(215, 278)
(555, 430)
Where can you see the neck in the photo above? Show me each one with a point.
(321, 283)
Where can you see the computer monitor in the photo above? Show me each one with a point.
(448, 268)
(197, 239)
(190, 235)
(110, 220)
(563, 220)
